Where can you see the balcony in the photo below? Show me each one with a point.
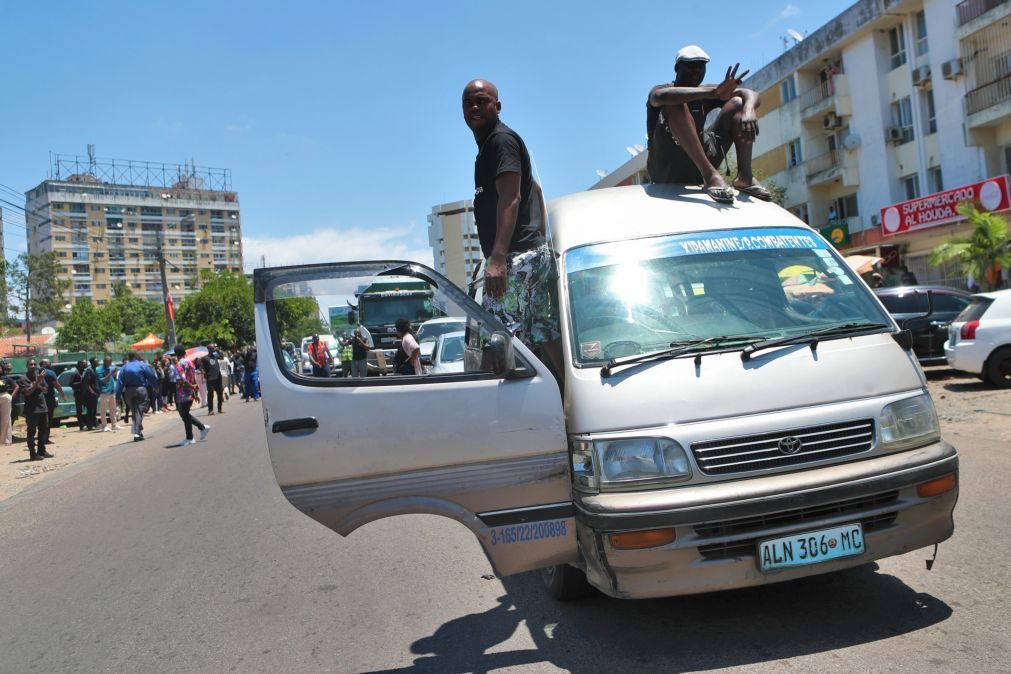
(970, 9)
(823, 168)
(988, 95)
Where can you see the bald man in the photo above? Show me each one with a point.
(509, 210)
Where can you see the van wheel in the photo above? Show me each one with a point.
(566, 582)
(998, 367)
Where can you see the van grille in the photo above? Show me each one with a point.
(760, 452)
(743, 525)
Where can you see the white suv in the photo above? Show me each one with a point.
(979, 339)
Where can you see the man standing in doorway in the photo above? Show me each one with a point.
(681, 149)
(510, 214)
(33, 385)
(136, 378)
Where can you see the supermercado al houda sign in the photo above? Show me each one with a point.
(939, 209)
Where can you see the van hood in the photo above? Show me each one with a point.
(677, 391)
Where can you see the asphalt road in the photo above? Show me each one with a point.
(160, 558)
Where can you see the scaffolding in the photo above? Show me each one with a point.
(187, 176)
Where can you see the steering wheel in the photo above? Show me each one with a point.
(624, 347)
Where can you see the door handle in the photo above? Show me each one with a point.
(301, 424)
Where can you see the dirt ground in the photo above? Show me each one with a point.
(964, 402)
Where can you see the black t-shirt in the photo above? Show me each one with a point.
(358, 352)
(89, 382)
(35, 402)
(250, 361)
(663, 151)
(53, 382)
(212, 369)
(503, 151)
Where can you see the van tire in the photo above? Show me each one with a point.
(565, 582)
(998, 367)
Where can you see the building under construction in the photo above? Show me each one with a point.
(110, 220)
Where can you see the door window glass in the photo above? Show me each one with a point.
(386, 314)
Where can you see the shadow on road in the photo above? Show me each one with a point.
(723, 629)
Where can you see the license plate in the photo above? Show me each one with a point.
(811, 548)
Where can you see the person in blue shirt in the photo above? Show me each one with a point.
(107, 375)
(134, 379)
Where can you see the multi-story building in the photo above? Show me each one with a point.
(892, 102)
(108, 221)
(452, 233)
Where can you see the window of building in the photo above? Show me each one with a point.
(935, 182)
(60, 238)
(801, 212)
(100, 286)
(794, 157)
(902, 118)
(897, 46)
(911, 186)
(920, 20)
(787, 91)
(846, 207)
(929, 112)
(58, 207)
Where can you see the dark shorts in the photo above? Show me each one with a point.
(681, 169)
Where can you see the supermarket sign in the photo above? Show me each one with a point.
(938, 209)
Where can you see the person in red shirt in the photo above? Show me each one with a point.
(320, 357)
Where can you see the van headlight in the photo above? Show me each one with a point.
(628, 462)
(909, 423)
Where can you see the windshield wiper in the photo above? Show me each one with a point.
(676, 349)
(811, 337)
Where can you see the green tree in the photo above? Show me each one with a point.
(221, 311)
(298, 317)
(134, 316)
(33, 282)
(982, 252)
(86, 328)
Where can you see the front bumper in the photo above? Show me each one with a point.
(718, 525)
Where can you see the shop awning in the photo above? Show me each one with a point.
(150, 342)
(863, 264)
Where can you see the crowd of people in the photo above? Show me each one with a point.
(107, 394)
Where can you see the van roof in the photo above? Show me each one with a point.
(636, 211)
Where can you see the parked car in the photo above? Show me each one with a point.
(447, 356)
(430, 330)
(979, 339)
(907, 304)
(335, 349)
(65, 408)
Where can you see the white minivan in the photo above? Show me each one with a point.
(728, 405)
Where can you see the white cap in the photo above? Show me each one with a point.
(691, 53)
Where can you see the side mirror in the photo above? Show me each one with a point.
(500, 348)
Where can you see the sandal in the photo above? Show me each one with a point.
(756, 191)
(721, 195)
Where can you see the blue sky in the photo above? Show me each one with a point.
(341, 121)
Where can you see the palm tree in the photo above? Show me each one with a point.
(983, 252)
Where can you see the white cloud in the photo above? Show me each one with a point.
(335, 244)
(788, 11)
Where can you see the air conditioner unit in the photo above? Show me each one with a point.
(894, 134)
(921, 76)
(952, 69)
(831, 121)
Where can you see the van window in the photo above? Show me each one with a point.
(628, 297)
(906, 303)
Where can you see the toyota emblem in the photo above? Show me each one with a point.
(790, 445)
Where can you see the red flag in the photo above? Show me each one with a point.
(171, 308)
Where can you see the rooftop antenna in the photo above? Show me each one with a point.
(92, 164)
(797, 37)
(638, 147)
(601, 173)
(631, 150)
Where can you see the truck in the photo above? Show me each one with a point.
(381, 303)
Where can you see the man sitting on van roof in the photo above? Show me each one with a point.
(681, 150)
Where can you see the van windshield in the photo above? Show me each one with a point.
(630, 297)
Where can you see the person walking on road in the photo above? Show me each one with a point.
(108, 417)
(33, 386)
(186, 393)
(135, 378)
(211, 367)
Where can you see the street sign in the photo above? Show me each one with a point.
(938, 209)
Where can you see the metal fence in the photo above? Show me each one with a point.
(988, 95)
(970, 9)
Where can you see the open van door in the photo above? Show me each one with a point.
(485, 446)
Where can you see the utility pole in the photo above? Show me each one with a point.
(170, 324)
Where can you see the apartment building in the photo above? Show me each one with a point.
(452, 233)
(108, 220)
(893, 107)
